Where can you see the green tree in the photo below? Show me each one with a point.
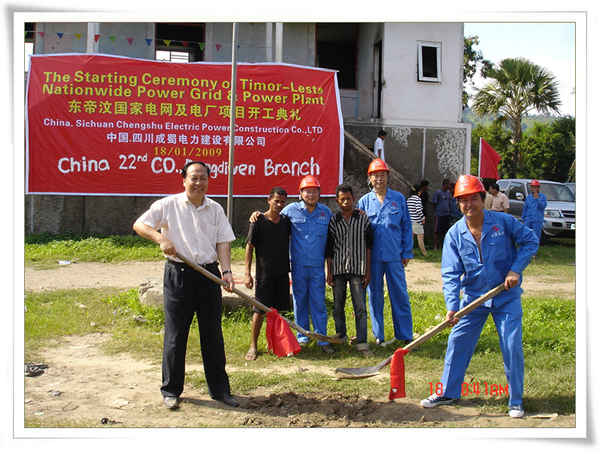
(472, 60)
(549, 150)
(517, 87)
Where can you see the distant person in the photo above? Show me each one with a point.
(415, 209)
(348, 253)
(194, 226)
(378, 148)
(269, 237)
(441, 201)
(481, 251)
(499, 199)
(424, 195)
(392, 251)
(533, 209)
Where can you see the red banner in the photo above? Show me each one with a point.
(109, 125)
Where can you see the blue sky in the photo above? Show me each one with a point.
(550, 45)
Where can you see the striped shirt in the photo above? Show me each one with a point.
(347, 243)
(415, 209)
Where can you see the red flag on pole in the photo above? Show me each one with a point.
(488, 161)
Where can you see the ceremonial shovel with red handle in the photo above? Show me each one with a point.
(366, 372)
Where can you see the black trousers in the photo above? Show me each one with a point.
(188, 292)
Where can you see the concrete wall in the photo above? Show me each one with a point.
(406, 98)
(419, 152)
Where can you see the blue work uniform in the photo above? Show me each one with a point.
(307, 252)
(393, 241)
(465, 268)
(533, 213)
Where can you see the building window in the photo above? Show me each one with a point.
(430, 61)
(337, 45)
(179, 42)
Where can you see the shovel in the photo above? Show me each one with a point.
(356, 373)
(316, 336)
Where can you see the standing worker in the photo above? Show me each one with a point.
(533, 209)
(441, 202)
(196, 227)
(392, 250)
(348, 253)
(310, 220)
(415, 209)
(480, 252)
(378, 148)
(269, 236)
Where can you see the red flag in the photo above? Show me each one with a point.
(280, 339)
(397, 374)
(488, 161)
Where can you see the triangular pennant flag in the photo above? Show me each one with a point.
(218, 46)
(59, 35)
(148, 41)
(130, 40)
(26, 33)
(112, 38)
(201, 44)
(397, 374)
(41, 33)
(78, 35)
(185, 43)
(167, 41)
(96, 37)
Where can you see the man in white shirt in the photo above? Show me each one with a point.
(500, 201)
(196, 227)
(378, 148)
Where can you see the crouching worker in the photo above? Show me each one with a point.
(480, 252)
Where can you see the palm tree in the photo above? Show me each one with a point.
(517, 87)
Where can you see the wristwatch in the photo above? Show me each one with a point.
(227, 271)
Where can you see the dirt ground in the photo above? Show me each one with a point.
(83, 384)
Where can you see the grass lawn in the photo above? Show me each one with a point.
(548, 323)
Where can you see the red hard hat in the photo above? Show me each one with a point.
(468, 184)
(535, 183)
(309, 182)
(377, 165)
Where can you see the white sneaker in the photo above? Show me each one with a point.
(516, 411)
(435, 401)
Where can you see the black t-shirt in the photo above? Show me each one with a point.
(424, 200)
(272, 245)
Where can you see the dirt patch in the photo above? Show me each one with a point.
(82, 384)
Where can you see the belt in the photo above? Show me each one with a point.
(210, 266)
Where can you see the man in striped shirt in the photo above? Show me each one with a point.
(348, 253)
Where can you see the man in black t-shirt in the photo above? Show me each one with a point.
(269, 236)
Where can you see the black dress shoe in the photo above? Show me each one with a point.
(228, 400)
(171, 402)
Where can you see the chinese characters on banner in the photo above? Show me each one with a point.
(109, 125)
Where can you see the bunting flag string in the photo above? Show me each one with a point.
(149, 41)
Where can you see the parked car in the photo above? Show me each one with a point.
(571, 185)
(559, 216)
